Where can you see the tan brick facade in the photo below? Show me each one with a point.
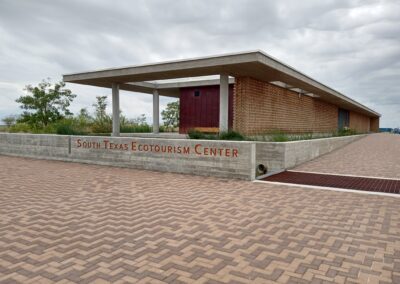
(260, 107)
(359, 122)
(374, 124)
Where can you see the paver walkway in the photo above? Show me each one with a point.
(75, 223)
(377, 155)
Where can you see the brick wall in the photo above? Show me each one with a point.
(374, 124)
(260, 107)
(359, 122)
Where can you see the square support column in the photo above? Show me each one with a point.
(223, 103)
(156, 112)
(115, 110)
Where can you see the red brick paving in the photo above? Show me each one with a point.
(336, 181)
(75, 223)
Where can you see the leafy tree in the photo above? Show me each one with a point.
(9, 120)
(140, 120)
(46, 103)
(170, 115)
(83, 118)
(84, 114)
(102, 121)
(100, 108)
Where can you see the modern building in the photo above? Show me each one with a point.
(254, 94)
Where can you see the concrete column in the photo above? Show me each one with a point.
(115, 110)
(156, 112)
(223, 103)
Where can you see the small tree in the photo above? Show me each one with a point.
(100, 108)
(102, 121)
(83, 118)
(84, 114)
(139, 120)
(46, 103)
(9, 120)
(170, 115)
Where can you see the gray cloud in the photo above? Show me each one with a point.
(352, 46)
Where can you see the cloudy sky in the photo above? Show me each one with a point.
(352, 46)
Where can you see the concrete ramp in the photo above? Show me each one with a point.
(375, 155)
(368, 164)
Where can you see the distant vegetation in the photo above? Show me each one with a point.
(170, 115)
(272, 136)
(230, 135)
(280, 136)
(46, 110)
(45, 104)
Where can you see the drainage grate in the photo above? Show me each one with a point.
(337, 181)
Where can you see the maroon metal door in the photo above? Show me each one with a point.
(199, 107)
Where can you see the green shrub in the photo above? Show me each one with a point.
(48, 129)
(194, 134)
(67, 126)
(307, 136)
(231, 135)
(346, 132)
(279, 136)
(304, 136)
(66, 129)
(135, 128)
(163, 128)
(102, 126)
(20, 127)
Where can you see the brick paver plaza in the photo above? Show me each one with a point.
(376, 155)
(67, 222)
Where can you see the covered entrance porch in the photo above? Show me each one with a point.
(175, 90)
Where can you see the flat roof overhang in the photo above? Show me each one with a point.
(254, 64)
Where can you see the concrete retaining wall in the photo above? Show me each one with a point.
(231, 159)
(201, 157)
(278, 156)
(34, 145)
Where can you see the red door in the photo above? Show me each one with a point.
(199, 107)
